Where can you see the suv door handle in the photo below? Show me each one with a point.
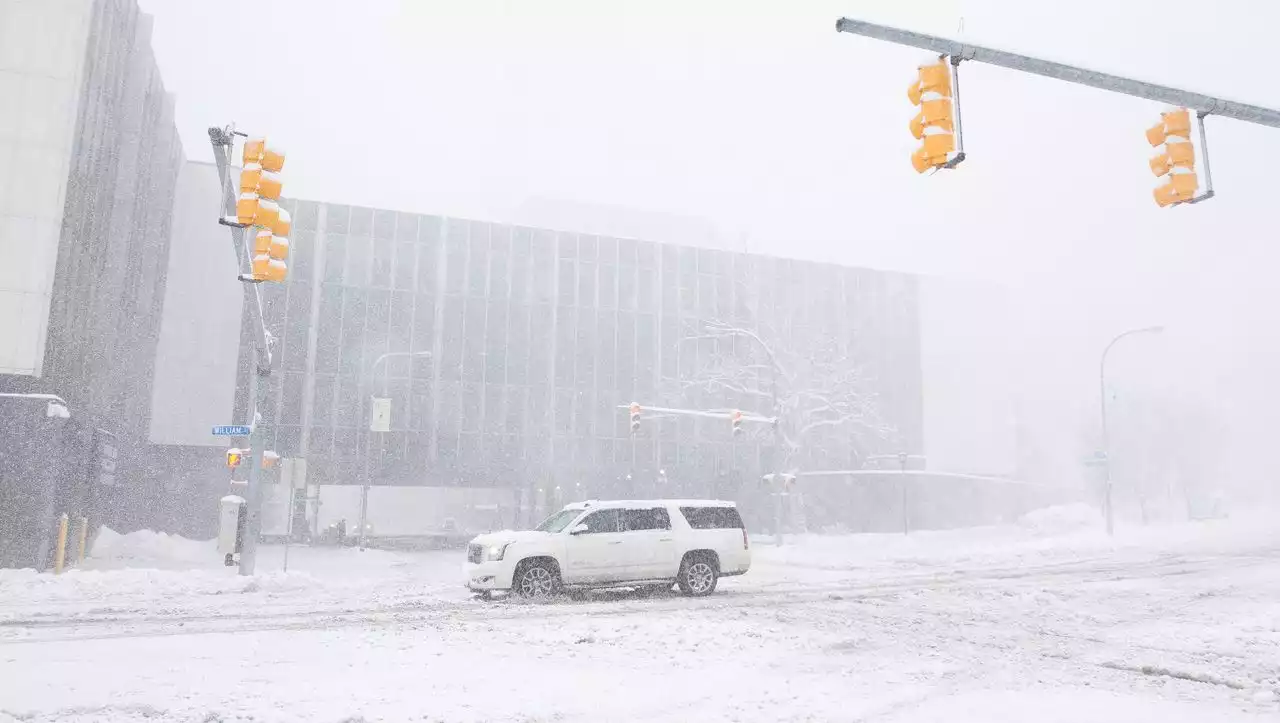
(616, 542)
(665, 539)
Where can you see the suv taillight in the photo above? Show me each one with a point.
(745, 545)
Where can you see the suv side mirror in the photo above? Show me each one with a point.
(579, 529)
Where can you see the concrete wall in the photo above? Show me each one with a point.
(42, 54)
(200, 326)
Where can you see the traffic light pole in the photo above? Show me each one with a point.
(957, 51)
(223, 141)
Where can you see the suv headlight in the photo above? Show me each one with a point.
(494, 553)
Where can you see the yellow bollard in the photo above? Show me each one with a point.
(60, 553)
(84, 539)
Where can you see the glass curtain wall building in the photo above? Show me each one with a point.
(514, 350)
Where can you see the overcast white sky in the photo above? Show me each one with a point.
(756, 119)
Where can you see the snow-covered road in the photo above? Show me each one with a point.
(1019, 623)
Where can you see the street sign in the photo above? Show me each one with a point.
(380, 416)
(232, 430)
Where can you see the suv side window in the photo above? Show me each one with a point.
(655, 518)
(601, 521)
(712, 518)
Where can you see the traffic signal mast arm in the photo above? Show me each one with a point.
(957, 51)
(702, 413)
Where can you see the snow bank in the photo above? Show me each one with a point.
(1043, 536)
(148, 549)
(1061, 520)
(29, 589)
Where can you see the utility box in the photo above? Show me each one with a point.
(231, 517)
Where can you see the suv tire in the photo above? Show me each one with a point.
(698, 575)
(536, 580)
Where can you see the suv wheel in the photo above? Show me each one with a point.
(698, 576)
(536, 580)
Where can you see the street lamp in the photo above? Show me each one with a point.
(367, 422)
(1106, 442)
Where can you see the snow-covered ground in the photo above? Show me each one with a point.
(1048, 620)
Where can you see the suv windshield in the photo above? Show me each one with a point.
(558, 521)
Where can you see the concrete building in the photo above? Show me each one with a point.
(527, 340)
(89, 157)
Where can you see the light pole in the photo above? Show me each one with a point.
(1106, 441)
(366, 420)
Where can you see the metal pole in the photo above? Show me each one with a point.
(1061, 71)
(955, 88)
(1204, 152)
(253, 501)
(906, 515)
(223, 142)
(1106, 440)
(366, 422)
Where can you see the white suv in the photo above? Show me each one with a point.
(623, 543)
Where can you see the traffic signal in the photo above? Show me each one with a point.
(736, 418)
(1177, 159)
(934, 124)
(234, 457)
(260, 189)
(635, 418)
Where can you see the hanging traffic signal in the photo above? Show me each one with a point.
(736, 418)
(635, 418)
(934, 124)
(1177, 159)
(260, 189)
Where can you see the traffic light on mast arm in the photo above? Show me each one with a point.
(635, 418)
(934, 124)
(736, 418)
(259, 207)
(1177, 159)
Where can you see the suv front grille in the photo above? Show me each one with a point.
(475, 553)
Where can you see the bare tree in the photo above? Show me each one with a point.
(821, 395)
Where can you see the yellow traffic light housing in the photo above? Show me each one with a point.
(234, 457)
(1177, 159)
(260, 189)
(937, 122)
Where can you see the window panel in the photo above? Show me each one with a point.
(473, 341)
(347, 408)
(334, 258)
(428, 267)
(359, 257)
(380, 275)
(606, 343)
(608, 290)
(564, 346)
(585, 347)
(361, 221)
(406, 261)
(567, 282)
(564, 411)
(518, 345)
(384, 225)
(586, 284)
(291, 399)
(496, 343)
(452, 340)
(338, 219)
(498, 284)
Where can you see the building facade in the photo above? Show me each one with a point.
(509, 354)
(90, 160)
